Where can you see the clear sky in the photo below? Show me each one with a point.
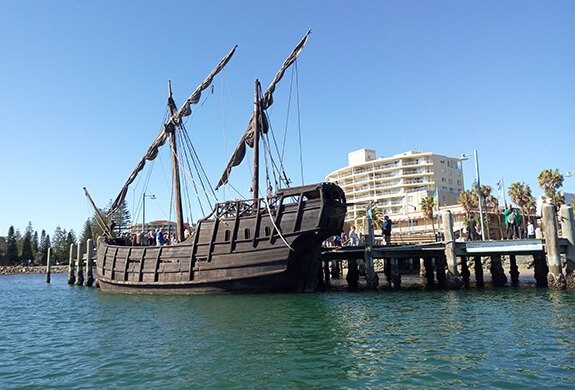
(83, 89)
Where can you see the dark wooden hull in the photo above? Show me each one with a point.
(236, 248)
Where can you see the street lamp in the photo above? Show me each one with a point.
(464, 157)
(144, 196)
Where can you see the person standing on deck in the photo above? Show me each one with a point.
(159, 237)
(386, 230)
(353, 237)
(511, 222)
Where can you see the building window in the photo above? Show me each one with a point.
(247, 234)
(443, 179)
(442, 161)
(442, 170)
(450, 172)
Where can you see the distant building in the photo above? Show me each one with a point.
(166, 226)
(390, 182)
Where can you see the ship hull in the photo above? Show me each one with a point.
(269, 245)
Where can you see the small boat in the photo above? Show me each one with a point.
(268, 243)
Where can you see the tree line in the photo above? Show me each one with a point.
(31, 247)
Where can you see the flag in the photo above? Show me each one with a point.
(435, 203)
(500, 187)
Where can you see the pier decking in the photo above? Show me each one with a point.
(449, 259)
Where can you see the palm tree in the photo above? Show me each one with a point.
(467, 201)
(493, 203)
(550, 181)
(485, 193)
(427, 204)
(376, 216)
(520, 194)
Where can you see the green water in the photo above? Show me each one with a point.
(60, 336)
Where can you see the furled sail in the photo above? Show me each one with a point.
(266, 101)
(168, 127)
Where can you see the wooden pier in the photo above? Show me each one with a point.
(445, 264)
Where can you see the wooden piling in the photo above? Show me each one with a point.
(440, 272)
(394, 274)
(48, 264)
(72, 265)
(513, 270)
(478, 269)
(555, 277)
(80, 264)
(568, 233)
(429, 276)
(497, 274)
(89, 263)
(352, 276)
(370, 275)
(540, 269)
(465, 274)
(453, 279)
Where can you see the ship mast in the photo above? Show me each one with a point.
(257, 113)
(176, 172)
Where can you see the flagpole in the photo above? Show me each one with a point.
(503, 186)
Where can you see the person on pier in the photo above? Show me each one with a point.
(512, 221)
(353, 237)
(386, 230)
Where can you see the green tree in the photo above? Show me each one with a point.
(121, 218)
(485, 194)
(493, 207)
(87, 232)
(12, 247)
(44, 245)
(467, 201)
(520, 194)
(60, 249)
(27, 249)
(550, 181)
(427, 205)
(376, 216)
(35, 243)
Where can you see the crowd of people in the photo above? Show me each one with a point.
(151, 238)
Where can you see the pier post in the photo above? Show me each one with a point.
(478, 269)
(513, 270)
(352, 276)
(394, 275)
(453, 280)
(89, 263)
(440, 271)
(71, 265)
(497, 274)
(370, 275)
(555, 277)
(80, 264)
(465, 274)
(429, 276)
(48, 264)
(568, 232)
(540, 269)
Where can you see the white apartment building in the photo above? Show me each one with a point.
(391, 181)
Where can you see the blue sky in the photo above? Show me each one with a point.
(83, 89)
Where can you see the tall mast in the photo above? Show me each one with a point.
(257, 113)
(176, 173)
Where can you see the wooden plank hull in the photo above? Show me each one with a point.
(238, 250)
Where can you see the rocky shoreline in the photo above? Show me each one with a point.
(40, 269)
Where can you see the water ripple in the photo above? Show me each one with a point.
(60, 336)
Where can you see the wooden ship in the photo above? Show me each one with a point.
(268, 243)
